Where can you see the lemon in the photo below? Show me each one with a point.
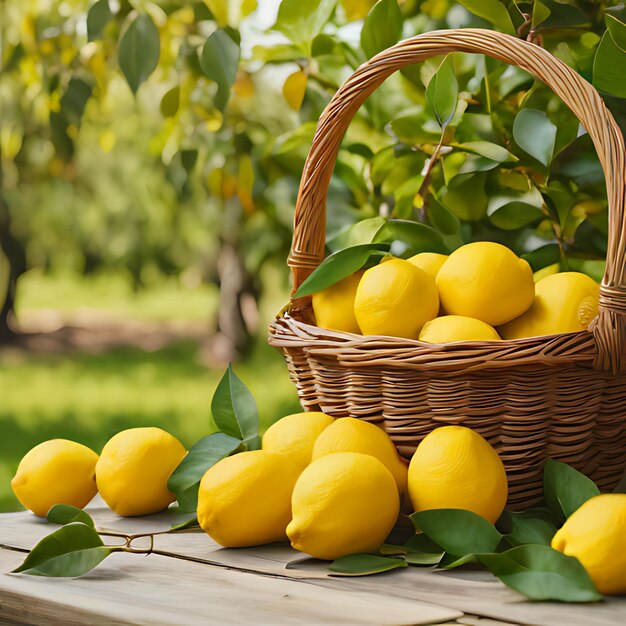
(455, 468)
(55, 472)
(450, 328)
(430, 262)
(334, 306)
(134, 468)
(564, 303)
(245, 499)
(295, 435)
(343, 503)
(348, 434)
(487, 281)
(595, 535)
(395, 298)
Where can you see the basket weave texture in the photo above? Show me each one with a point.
(560, 397)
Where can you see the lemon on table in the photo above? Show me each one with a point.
(295, 435)
(450, 328)
(343, 503)
(455, 468)
(348, 434)
(430, 262)
(596, 535)
(57, 471)
(245, 499)
(487, 281)
(395, 298)
(334, 306)
(564, 303)
(134, 468)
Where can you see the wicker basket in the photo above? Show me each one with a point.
(562, 396)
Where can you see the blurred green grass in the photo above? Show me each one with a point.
(90, 397)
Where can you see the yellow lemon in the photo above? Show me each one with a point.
(487, 281)
(334, 306)
(564, 303)
(455, 468)
(348, 434)
(395, 298)
(430, 262)
(245, 499)
(134, 468)
(596, 535)
(450, 328)
(56, 472)
(343, 503)
(294, 435)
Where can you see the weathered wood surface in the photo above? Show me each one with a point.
(192, 580)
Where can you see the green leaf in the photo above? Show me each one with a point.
(512, 210)
(441, 217)
(421, 543)
(190, 523)
(608, 64)
(465, 196)
(416, 237)
(535, 134)
(71, 551)
(219, 60)
(98, 16)
(541, 573)
(364, 564)
(359, 233)
(486, 149)
(382, 27)
(338, 266)
(443, 91)
(75, 99)
(450, 561)
(188, 499)
(170, 102)
(301, 20)
(139, 51)
(202, 456)
(540, 13)
(493, 11)
(617, 30)
(527, 529)
(543, 256)
(66, 514)
(457, 531)
(423, 558)
(566, 489)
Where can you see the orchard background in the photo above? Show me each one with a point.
(150, 160)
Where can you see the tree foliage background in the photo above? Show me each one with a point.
(168, 137)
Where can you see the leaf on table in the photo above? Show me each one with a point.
(219, 60)
(457, 531)
(566, 489)
(187, 524)
(139, 51)
(382, 27)
(338, 266)
(66, 514)
(535, 134)
(442, 92)
(450, 561)
(541, 573)
(423, 558)
(70, 551)
(364, 564)
(234, 411)
(526, 529)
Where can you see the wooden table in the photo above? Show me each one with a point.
(191, 580)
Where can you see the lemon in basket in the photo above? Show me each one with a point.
(487, 281)
(395, 298)
(348, 434)
(133, 470)
(334, 306)
(343, 503)
(295, 435)
(430, 262)
(564, 303)
(451, 328)
(455, 468)
(245, 499)
(594, 534)
(56, 472)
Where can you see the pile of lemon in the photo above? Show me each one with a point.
(332, 487)
(480, 292)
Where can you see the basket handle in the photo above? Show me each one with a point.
(308, 242)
